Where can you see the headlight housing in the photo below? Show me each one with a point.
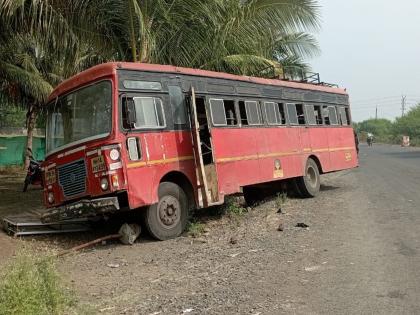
(50, 197)
(104, 183)
(114, 154)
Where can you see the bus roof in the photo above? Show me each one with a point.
(110, 68)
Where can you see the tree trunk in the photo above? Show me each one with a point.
(30, 126)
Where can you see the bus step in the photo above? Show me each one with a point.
(29, 223)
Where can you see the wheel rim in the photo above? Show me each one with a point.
(169, 211)
(311, 177)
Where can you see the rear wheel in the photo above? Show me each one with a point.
(310, 183)
(168, 218)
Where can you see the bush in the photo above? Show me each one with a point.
(232, 207)
(31, 285)
(195, 229)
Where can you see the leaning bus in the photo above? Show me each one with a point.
(166, 140)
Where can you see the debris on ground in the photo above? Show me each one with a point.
(302, 225)
(129, 233)
(113, 265)
(280, 227)
(233, 240)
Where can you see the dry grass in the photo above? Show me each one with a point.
(30, 285)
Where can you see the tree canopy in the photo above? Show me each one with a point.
(45, 42)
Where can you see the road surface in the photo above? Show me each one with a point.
(380, 238)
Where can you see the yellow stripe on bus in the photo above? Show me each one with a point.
(235, 159)
(279, 154)
(161, 161)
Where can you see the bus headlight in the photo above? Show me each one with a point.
(50, 197)
(104, 183)
(114, 154)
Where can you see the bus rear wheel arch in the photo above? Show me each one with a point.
(309, 184)
(167, 218)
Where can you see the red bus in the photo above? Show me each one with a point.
(166, 140)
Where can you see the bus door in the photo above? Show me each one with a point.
(203, 151)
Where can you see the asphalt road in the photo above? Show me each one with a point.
(375, 239)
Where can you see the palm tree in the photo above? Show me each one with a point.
(37, 51)
(237, 36)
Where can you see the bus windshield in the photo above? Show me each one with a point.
(79, 116)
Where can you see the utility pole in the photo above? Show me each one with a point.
(376, 113)
(403, 99)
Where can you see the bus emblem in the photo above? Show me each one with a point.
(278, 171)
(348, 156)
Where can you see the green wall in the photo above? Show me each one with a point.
(12, 149)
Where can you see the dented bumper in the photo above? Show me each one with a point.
(81, 209)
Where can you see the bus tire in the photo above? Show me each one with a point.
(296, 188)
(310, 183)
(168, 218)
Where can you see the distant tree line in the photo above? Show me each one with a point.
(388, 131)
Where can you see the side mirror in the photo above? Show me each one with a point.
(130, 111)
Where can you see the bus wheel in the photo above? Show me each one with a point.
(168, 218)
(310, 183)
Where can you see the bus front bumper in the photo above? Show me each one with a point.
(81, 209)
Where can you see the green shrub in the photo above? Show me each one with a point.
(195, 229)
(232, 207)
(280, 199)
(30, 285)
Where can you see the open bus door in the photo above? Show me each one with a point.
(203, 152)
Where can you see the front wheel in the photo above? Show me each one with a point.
(310, 183)
(168, 218)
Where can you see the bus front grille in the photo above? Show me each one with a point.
(72, 178)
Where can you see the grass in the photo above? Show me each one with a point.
(195, 229)
(30, 284)
(12, 170)
(233, 208)
(280, 199)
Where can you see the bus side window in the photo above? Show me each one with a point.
(300, 114)
(223, 112)
(274, 113)
(310, 114)
(332, 115)
(343, 116)
(318, 114)
(149, 112)
(325, 114)
(282, 117)
(125, 123)
(242, 114)
(347, 111)
(253, 112)
(230, 112)
(177, 100)
(292, 113)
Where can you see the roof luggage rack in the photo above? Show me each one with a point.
(295, 74)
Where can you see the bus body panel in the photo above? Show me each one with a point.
(162, 153)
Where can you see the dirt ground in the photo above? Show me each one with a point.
(240, 265)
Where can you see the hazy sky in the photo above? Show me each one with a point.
(372, 48)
